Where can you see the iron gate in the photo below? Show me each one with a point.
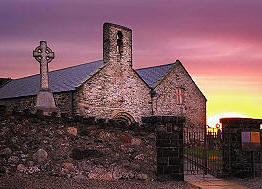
(203, 151)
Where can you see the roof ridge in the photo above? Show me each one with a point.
(75, 66)
(155, 66)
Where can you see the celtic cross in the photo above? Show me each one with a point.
(43, 55)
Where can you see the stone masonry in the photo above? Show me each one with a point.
(236, 160)
(79, 148)
(164, 102)
(64, 101)
(116, 87)
(89, 148)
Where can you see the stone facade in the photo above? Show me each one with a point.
(165, 103)
(116, 87)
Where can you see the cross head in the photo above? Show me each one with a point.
(43, 54)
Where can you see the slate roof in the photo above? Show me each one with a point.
(68, 79)
(60, 80)
(153, 74)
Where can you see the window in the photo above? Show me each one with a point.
(180, 98)
(119, 42)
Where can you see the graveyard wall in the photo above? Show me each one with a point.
(76, 147)
(90, 148)
(19, 104)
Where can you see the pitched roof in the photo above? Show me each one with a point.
(60, 80)
(68, 79)
(153, 74)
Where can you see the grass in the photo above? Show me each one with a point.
(213, 156)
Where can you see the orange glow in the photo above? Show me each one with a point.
(213, 120)
(231, 96)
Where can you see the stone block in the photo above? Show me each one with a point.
(78, 154)
(40, 156)
(45, 101)
(72, 130)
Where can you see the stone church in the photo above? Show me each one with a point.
(111, 88)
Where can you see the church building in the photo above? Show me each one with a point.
(111, 88)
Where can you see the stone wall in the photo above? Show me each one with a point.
(80, 148)
(237, 161)
(194, 107)
(110, 44)
(116, 87)
(63, 101)
(20, 103)
(169, 145)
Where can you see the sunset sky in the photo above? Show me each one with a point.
(218, 41)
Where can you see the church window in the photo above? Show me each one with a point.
(180, 95)
(119, 42)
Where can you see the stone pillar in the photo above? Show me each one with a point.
(169, 145)
(239, 161)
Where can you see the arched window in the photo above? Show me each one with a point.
(119, 42)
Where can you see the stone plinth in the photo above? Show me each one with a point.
(45, 101)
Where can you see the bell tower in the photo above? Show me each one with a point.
(117, 44)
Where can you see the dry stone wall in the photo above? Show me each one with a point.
(80, 148)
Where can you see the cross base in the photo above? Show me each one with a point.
(45, 101)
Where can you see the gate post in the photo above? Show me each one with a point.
(205, 151)
(242, 156)
(169, 145)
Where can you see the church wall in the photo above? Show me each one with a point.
(62, 100)
(114, 89)
(194, 107)
(19, 103)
